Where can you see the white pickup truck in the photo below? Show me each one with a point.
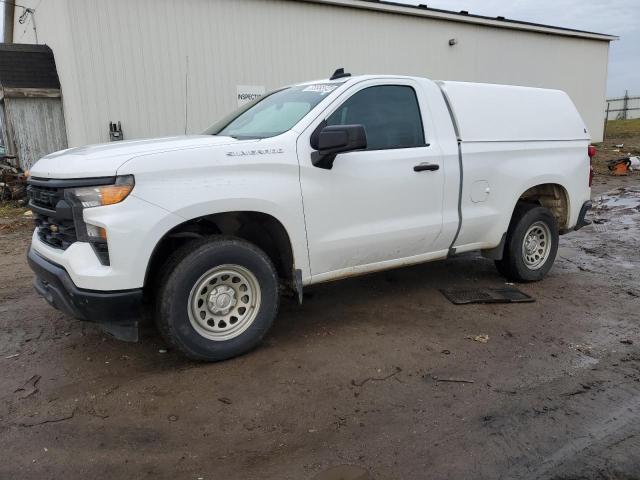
(310, 183)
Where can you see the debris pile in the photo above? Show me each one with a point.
(13, 181)
(624, 165)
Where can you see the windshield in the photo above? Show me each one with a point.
(272, 114)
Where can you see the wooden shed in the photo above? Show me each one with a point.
(31, 116)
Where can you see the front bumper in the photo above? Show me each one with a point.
(117, 312)
(582, 220)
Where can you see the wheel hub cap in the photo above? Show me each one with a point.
(224, 302)
(536, 245)
(532, 244)
(221, 300)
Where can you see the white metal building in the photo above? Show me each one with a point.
(163, 67)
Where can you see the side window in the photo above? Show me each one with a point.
(389, 113)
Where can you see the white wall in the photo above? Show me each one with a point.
(126, 59)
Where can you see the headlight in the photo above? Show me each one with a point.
(98, 196)
(102, 195)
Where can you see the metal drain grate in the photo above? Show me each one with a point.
(461, 296)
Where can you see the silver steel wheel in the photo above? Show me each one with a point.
(224, 302)
(536, 245)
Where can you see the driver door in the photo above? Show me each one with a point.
(372, 209)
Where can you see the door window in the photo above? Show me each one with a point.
(390, 115)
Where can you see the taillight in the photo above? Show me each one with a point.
(591, 151)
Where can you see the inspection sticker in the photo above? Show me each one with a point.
(249, 93)
(321, 88)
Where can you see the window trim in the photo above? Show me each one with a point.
(322, 123)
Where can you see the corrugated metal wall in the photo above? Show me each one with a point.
(35, 126)
(127, 59)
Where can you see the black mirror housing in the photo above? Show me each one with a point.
(336, 139)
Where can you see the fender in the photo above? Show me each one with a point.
(209, 181)
(299, 255)
(546, 180)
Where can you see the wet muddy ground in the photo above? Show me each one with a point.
(380, 372)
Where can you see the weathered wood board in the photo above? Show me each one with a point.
(35, 126)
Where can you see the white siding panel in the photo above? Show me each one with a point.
(126, 60)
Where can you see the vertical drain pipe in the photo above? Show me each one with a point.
(9, 10)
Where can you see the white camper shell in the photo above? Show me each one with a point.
(504, 113)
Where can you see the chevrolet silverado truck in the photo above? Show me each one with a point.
(313, 182)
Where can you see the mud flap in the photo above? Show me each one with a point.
(582, 220)
(298, 280)
(497, 252)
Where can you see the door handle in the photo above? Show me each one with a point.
(421, 167)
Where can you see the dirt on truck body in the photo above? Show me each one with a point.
(375, 377)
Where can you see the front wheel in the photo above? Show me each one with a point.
(218, 298)
(531, 244)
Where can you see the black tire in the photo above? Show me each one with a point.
(513, 265)
(183, 271)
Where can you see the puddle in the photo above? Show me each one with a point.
(622, 198)
(628, 220)
(585, 361)
(624, 202)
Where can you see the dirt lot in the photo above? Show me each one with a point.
(358, 375)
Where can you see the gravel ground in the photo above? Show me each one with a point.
(380, 373)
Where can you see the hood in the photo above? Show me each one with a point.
(103, 160)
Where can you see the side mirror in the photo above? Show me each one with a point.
(335, 139)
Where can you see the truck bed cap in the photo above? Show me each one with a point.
(487, 112)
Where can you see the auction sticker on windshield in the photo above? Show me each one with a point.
(321, 88)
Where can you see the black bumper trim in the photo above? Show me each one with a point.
(118, 312)
(582, 220)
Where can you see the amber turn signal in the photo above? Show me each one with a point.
(112, 194)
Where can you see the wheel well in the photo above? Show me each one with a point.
(263, 230)
(551, 196)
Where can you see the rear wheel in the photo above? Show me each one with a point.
(218, 298)
(531, 244)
